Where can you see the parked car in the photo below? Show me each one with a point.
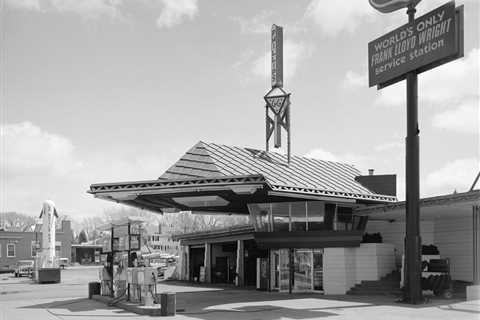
(23, 268)
(6, 269)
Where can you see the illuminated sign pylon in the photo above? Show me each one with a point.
(277, 99)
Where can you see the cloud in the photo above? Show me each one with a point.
(87, 9)
(345, 16)
(24, 4)
(172, 12)
(383, 162)
(463, 119)
(37, 165)
(435, 85)
(258, 24)
(359, 161)
(438, 86)
(90, 9)
(453, 89)
(455, 175)
(294, 53)
(354, 80)
(322, 154)
(338, 16)
(175, 12)
(389, 146)
(261, 23)
(31, 150)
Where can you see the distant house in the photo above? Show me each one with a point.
(23, 245)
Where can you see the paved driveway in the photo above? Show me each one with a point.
(22, 299)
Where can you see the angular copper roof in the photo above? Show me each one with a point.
(303, 175)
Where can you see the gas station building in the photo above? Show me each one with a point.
(301, 213)
(307, 219)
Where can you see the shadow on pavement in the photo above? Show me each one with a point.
(74, 305)
(265, 312)
(204, 296)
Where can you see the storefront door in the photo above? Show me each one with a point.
(275, 281)
(307, 270)
(303, 270)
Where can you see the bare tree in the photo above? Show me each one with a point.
(184, 222)
(14, 221)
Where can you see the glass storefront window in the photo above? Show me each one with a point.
(302, 216)
(259, 216)
(298, 216)
(329, 215)
(281, 216)
(316, 215)
(284, 270)
(318, 269)
(344, 218)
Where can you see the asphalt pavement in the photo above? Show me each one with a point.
(21, 299)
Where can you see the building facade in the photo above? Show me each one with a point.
(15, 246)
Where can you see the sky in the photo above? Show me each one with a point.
(115, 90)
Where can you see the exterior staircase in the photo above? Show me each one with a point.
(388, 285)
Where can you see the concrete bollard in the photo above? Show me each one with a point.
(93, 288)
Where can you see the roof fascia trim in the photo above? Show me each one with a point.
(174, 184)
(334, 193)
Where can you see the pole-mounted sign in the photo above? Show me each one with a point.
(422, 44)
(433, 39)
(277, 99)
(277, 56)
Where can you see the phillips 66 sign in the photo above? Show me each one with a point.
(387, 6)
(277, 56)
(431, 40)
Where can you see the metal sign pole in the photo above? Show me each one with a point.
(413, 242)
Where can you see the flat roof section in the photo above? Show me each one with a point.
(449, 205)
(284, 239)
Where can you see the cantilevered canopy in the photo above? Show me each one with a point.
(450, 205)
(216, 178)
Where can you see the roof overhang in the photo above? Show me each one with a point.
(224, 194)
(444, 206)
(227, 194)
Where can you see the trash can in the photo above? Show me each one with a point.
(93, 288)
(168, 303)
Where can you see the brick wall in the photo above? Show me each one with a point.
(22, 242)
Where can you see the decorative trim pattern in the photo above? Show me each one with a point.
(177, 183)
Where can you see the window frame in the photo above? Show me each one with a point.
(14, 250)
(32, 247)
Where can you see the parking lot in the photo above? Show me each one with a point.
(20, 299)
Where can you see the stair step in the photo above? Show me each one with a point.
(372, 282)
(376, 287)
(386, 293)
